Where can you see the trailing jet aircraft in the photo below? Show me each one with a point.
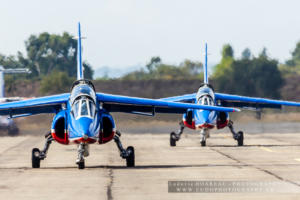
(204, 120)
(83, 117)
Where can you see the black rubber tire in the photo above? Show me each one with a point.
(130, 160)
(35, 159)
(203, 143)
(81, 165)
(240, 139)
(172, 140)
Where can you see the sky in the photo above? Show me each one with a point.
(126, 33)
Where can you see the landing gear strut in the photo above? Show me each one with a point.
(38, 155)
(239, 136)
(204, 136)
(128, 153)
(82, 152)
(174, 137)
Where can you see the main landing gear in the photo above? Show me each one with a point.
(239, 136)
(174, 137)
(128, 153)
(38, 155)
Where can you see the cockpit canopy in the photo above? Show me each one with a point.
(205, 96)
(82, 90)
(83, 106)
(206, 100)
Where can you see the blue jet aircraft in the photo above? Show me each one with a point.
(204, 120)
(83, 117)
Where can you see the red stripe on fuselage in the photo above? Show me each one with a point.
(81, 140)
(209, 126)
(191, 126)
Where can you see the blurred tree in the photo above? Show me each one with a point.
(158, 70)
(153, 63)
(222, 81)
(47, 52)
(246, 54)
(227, 51)
(56, 82)
(252, 77)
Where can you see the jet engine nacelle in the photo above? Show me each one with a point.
(107, 128)
(59, 128)
(222, 120)
(188, 119)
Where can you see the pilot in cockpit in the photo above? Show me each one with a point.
(83, 106)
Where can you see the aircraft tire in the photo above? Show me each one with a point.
(35, 158)
(130, 160)
(240, 138)
(172, 140)
(203, 143)
(81, 165)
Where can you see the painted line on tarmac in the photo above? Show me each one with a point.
(266, 149)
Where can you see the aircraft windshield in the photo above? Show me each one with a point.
(80, 90)
(83, 107)
(206, 100)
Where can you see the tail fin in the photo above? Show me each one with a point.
(205, 66)
(79, 58)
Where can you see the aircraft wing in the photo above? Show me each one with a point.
(118, 103)
(47, 104)
(187, 98)
(251, 102)
(229, 100)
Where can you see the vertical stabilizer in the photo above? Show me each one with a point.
(205, 66)
(79, 58)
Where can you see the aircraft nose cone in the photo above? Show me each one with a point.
(84, 127)
(202, 116)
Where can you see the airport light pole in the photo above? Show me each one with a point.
(9, 71)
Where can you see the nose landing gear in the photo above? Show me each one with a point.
(204, 135)
(82, 152)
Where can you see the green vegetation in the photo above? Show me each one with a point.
(158, 70)
(47, 55)
(52, 61)
(252, 76)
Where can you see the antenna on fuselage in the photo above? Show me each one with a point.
(205, 67)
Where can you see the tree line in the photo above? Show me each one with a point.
(52, 61)
(51, 58)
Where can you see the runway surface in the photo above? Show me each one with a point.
(264, 158)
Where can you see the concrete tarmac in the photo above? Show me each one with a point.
(271, 158)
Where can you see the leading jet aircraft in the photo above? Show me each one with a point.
(83, 117)
(204, 120)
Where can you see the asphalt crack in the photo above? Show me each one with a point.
(256, 167)
(109, 187)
